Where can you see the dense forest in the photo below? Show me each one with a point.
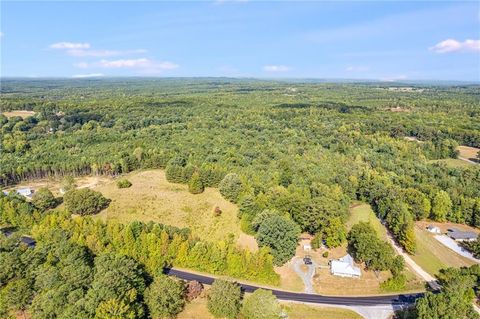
(303, 149)
(292, 155)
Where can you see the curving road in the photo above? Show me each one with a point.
(311, 298)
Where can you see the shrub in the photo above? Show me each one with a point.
(43, 199)
(193, 290)
(123, 183)
(195, 185)
(217, 211)
(325, 254)
(230, 187)
(85, 201)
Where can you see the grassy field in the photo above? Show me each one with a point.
(452, 162)
(432, 256)
(152, 198)
(300, 311)
(20, 113)
(361, 212)
(197, 309)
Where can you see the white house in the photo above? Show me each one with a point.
(26, 192)
(345, 267)
(307, 247)
(434, 229)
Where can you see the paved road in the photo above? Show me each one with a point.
(311, 298)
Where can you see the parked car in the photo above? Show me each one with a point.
(307, 260)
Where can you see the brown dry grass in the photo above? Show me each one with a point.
(152, 198)
(301, 311)
(21, 113)
(54, 184)
(468, 152)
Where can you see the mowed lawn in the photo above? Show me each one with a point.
(197, 309)
(432, 255)
(152, 198)
(362, 212)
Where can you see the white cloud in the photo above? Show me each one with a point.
(69, 46)
(276, 68)
(102, 53)
(452, 45)
(124, 63)
(357, 68)
(90, 75)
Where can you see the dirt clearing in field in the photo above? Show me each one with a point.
(22, 114)
(469, 153)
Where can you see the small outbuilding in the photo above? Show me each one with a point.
(434, 229)
(459, 235)
(25, 192)
(345, 267)
(307, 247)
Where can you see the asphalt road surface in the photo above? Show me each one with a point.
(311, 298)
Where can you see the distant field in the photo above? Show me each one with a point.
(452, 162)
(152, 198)
(432, 256)
(469, 152)
(20, 113)
(361, 212)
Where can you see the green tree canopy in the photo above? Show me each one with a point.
(85, 201)
(224, 299)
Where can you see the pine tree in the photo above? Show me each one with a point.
(195, 185)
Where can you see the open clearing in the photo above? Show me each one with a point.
(54, 184)
(432, 255)
(300, 311)
(452, 162)
(469, 153)
(152, 198)
(197, 309)
(362, 212)
(21, 113)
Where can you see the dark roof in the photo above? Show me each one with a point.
(458, 234)
(30, 242)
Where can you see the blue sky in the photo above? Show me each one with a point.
(357, 40)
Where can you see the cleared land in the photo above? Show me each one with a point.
(452, 162)
(152, 198)
(54, 184)
(361, 212)
(432, 255)
(21, 113)
(469, 153)
(197, 309)
(299, 311)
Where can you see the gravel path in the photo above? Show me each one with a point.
(452, 244)
(307, 277)
(409, 261)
